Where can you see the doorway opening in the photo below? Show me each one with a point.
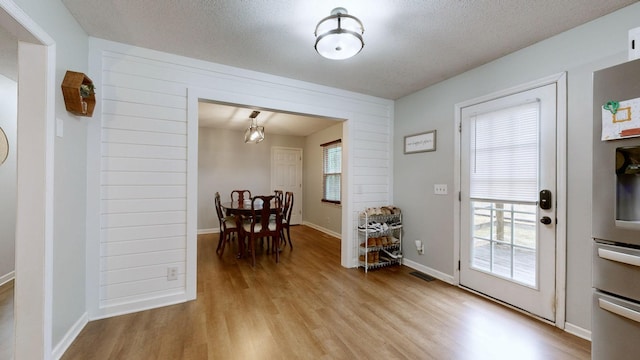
(34, 190)
(226, 163)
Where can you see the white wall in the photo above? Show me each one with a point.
(147, 114)
(69, 152)
(315, 213)
(8, 123)
(226, 163)
(580, 51)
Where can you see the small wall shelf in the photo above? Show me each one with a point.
(73, 101)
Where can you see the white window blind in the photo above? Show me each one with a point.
(504, 154)
(332, 171)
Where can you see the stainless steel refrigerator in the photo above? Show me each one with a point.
(615, 326)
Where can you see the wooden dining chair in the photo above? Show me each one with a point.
(286, 218)
(228, 226)
(279, 195)
(261, 225)
(240, 196)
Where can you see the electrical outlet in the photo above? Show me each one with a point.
(440, 189)
(172, 273)
(420, 247)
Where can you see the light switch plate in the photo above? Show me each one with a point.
(440, 189)
(59, 127)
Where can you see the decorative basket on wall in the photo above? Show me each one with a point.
(78, 101)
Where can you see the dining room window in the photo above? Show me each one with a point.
(332, 171)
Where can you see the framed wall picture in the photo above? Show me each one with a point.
(421, 142)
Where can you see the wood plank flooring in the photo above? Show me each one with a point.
(309, 307)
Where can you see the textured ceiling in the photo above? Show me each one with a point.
(409, 44)
(231, 117)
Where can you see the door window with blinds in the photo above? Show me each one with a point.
(504, 155)
(507, 155)
(332, 171)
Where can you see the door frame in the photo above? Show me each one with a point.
(33, 287)
(560, 80)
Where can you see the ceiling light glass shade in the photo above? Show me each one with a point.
(339, 36)
(254, 134)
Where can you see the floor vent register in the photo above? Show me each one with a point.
(422, 276)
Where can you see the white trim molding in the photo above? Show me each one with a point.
(577, 331)
(7, 277)
(322, 229)
(34, 215)
(70, 336)
(429, 271)
(209, 231)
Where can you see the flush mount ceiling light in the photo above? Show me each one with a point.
(254, 133)
(339, 35)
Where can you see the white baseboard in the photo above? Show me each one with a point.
(208, 231)
(429, 271)
(70, 336)
(324, 230)
(311, 225)
(577, 331)
(142, 303)
(8, 277)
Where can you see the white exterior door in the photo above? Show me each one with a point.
(507, 228)
(286, 175)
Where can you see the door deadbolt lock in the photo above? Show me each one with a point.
(545, 199)
(545, 220)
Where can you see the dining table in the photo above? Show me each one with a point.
(238, 208)
(241, 211)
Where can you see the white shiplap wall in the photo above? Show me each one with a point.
(143, 181)
(142, 165)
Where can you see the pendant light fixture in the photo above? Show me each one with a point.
(254, 133)
(339, 35)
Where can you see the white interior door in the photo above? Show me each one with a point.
(507, 234)
(286, 175)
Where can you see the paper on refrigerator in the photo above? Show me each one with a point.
(624, 123)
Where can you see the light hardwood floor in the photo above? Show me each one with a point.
(309, 307)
